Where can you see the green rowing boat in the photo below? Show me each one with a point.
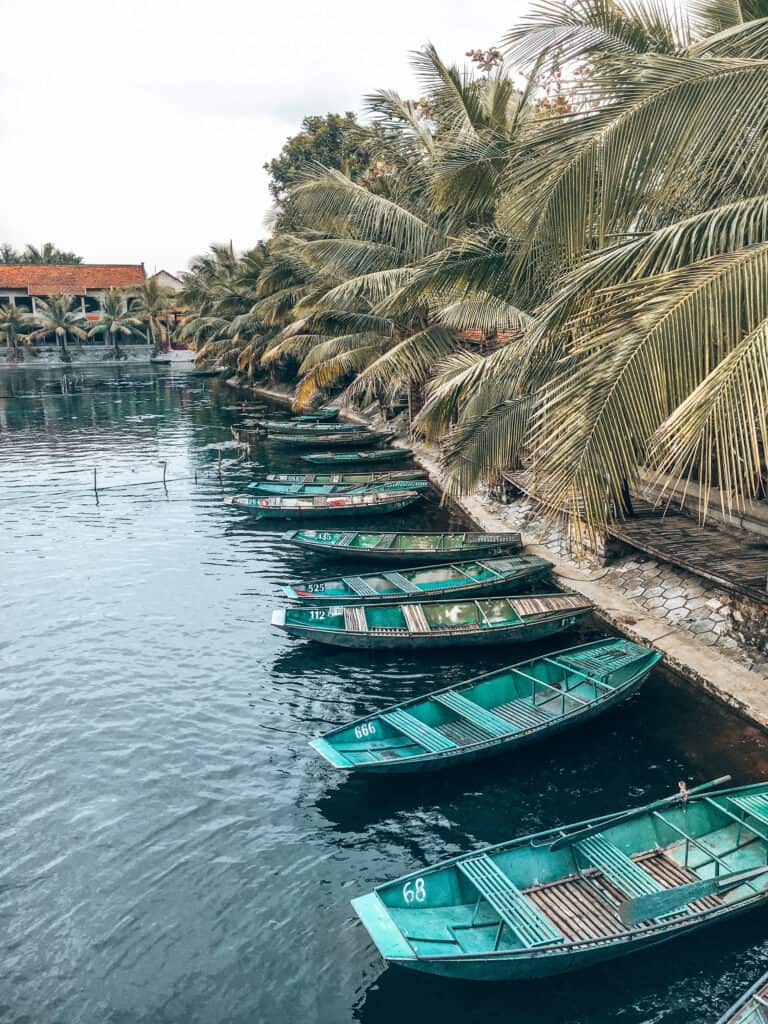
(751, 1008)
(350, 439)
(385, 478)
(387, 455)
(458, 579)
(493, 713)
(296, 427)
(317, 506)
(410, 548)
(315, 417)
(274, 487)
(490, 620)
(578, 895)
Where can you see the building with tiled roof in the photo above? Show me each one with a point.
(21, 283)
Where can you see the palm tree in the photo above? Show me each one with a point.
(115, 321)
(47, 253)
(151, 305)
(13, 323)
(56, 316)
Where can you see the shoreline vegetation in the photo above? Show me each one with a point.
(728, 681)
(534, 258)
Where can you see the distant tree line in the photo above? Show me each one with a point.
(46, 253)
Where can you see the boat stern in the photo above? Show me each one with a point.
(289, 593)
(278, 617)
(387, 937)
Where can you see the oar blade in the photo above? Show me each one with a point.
(659, 904)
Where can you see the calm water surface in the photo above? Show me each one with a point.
(172, 851)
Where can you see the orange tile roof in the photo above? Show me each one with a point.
(70, 278)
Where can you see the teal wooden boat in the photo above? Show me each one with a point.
(408, 548)
(751, 1008)
(351, 439)
(326, 415)
(381, 484)
(493, 713)
(384, 478)
(579, 895)
(490, 620)
(312, 428)
(386, 455)
(320, 506)
(457, 579)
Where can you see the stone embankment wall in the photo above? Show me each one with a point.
(686, 602)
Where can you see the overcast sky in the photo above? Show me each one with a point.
(136, 132)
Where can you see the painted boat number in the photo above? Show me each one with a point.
(315, 588)
(415, 891)
(366, 729)
(322, 535)
(325, 613)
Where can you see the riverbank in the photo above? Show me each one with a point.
(710, 659)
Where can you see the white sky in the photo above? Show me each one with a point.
(136, 131)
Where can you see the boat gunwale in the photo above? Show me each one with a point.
(491, 741)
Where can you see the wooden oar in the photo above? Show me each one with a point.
(614, 819)
(657, 904)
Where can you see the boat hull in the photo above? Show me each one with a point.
(345, 459)
(324, 511)
(549, 964)
(482, 588)
(414, 556)
(386, 641)
(352, 440)
(493, 747)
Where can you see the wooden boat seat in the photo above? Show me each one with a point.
(590, 661)
(628, 877)
(754, 804)
(542, 606)
(404, 584)
(415, 618)
(355, 620)
(358, 586)
(527, 922)
(580, 911)
(345, 540)
(385, 540)
(521, 714)
(491, 723)
(414, 729)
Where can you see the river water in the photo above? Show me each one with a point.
(172, 850)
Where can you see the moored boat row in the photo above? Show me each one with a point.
(543, 904)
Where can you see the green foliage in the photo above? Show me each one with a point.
(46, 253)
(570, 263)
(336, 141)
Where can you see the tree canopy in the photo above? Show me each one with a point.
(46, 253)
(563, 248)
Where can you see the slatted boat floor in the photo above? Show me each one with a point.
(579, 912)
(735, 561)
